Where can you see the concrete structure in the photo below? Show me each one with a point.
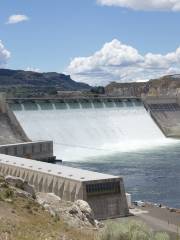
(33, 104)
(14, 141)
(42, 150)
(166, 113)
(10, 129)
(129, 200)
(105, 193)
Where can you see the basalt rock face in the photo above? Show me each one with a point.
(164, 86)
(133, 89)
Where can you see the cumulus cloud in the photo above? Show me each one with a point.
(4, 55)
(116, 61)
(149, 5)
(13, 19)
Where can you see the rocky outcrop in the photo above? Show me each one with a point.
(14, 181)
(78, 214)
(164, 86)
(47, 198)
(83, 211)
(18, 182)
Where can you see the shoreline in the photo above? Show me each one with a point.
(144, 204)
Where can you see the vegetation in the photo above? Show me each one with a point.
(132, 230)
(22, 218)
(97, 90)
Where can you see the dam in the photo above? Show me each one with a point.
(86, 128)
(105, 193)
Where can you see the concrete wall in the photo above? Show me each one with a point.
(68, 190)
(167, 119)
(11, 130)
(159, 100)
(42, 150)
(3, 102)
(109, 205)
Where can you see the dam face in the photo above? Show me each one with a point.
(83, 129)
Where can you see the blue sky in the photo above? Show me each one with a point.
(57, 32)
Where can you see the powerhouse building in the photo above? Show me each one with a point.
(105, 193)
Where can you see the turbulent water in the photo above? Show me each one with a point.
(80, 132)
(119, 139)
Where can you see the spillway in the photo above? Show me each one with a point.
(81, 130)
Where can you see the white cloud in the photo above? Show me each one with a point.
(149, 5)
(32, 69)
(13, 19)
(122, 63)
(4, 55)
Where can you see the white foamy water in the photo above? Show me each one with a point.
(82, 133)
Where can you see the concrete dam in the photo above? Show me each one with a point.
(81, 129)
(104, 193)
(85, 128)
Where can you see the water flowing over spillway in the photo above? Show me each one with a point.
(80, 131)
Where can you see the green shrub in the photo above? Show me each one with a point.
(161, 236)
(8, 193)
(4, 185)
(130, 231)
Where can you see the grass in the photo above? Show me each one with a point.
(132, 230)
(24, 219)
(5, 192)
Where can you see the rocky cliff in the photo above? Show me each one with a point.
(164, 86)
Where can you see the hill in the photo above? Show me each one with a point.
(16, 82)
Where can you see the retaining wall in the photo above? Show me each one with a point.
(10, 129)
(165, 111)
(42, 150)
